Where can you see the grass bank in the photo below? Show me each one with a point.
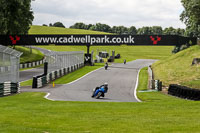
(127, 52)
(178, 69)
(28, 56)
(36, 29)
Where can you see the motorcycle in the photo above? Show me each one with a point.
(106, 66)
(99, 92)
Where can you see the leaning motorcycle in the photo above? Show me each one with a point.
(98, 92)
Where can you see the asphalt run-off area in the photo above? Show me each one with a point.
(121, 79)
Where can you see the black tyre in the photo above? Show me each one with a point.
(98, 95)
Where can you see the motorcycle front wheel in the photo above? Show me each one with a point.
(98, 95)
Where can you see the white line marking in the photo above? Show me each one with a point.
(83, 76)
(47, 97)
(136, 86)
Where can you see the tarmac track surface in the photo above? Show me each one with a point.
(121, 81)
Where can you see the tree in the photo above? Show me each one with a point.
(79, 25)
(103, 27)
(120, 30)
(87, 27)
(191, 16)
(169, 31)
(180, 32)
(50, 24)
(132, 30)
(58, 24)
(145, 31)
(156, 30)
(15, 16)
(100, 27)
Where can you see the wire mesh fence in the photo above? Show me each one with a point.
(58, 60)
(9, 64)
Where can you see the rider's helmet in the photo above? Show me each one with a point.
(106, 84)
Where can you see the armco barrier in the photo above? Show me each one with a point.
(184, 92)
(156, 84)
(8, 88)
(42, 80)
(32, 64)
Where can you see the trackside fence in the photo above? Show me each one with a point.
(41, 80)
(9, 71)
(59, 64)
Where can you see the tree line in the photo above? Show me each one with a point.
(122, 30)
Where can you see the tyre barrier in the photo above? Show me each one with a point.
(8, 88)
(41, 80)
(184, 92)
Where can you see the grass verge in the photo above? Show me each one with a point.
(26, 83)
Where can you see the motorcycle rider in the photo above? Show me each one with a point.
(124, 61)
(106, 65)
(105, 86)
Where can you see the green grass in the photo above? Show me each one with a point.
(26, 83)
(30, 112)
(56, 30)
(177, 69)
(143, 79)
(28, 57)
(77, 74)
(127, 52)
(193, 83)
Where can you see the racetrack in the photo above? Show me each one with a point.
(121, 81)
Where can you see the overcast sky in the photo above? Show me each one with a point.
(137, 13)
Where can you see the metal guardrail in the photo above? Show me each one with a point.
(41, 80)
(32, 64)
(153, 84)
